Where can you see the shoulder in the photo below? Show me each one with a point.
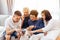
(8, 19)
(52, 20)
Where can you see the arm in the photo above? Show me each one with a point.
(39, 24)
(30, 27)
(19, 26)
(47, 28)
(39, 30)
(9, 31)
(7, 27)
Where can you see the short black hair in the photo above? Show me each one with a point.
(18, 13)
(34, 12)
(47, 15)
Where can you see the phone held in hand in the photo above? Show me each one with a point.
(23, 31)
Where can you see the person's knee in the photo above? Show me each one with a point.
(7, 36)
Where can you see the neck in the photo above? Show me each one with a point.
(26, 15)
(14, 21)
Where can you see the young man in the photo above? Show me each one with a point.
(34, 22)
(25, 17)
(13, 26)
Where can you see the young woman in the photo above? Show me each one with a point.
(51, 29)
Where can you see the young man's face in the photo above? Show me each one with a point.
(26, 12)
(33, 17)
(16, 18)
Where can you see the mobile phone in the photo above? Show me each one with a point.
(23, 31)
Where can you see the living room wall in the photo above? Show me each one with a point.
(52, 5)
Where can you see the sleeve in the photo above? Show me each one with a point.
(29, 22)
(49, 26)
(40, 24)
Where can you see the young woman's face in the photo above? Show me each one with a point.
(43, 16)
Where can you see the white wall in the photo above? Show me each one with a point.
(59, 13)
(3, 7)
(59, 8)
(51, 5)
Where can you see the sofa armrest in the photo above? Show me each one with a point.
(1, 29)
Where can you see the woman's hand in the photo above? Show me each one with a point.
(30, 27)
(31, 32)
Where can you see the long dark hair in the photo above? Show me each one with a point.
(47, 15)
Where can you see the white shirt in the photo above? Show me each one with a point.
(52, 25)
(9, 23)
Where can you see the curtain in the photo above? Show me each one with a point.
(3, 7)
(10, 4)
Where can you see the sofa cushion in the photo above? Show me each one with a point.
(1, 29)
(2, 19)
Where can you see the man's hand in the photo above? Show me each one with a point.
(30, 27)
(9, 30)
